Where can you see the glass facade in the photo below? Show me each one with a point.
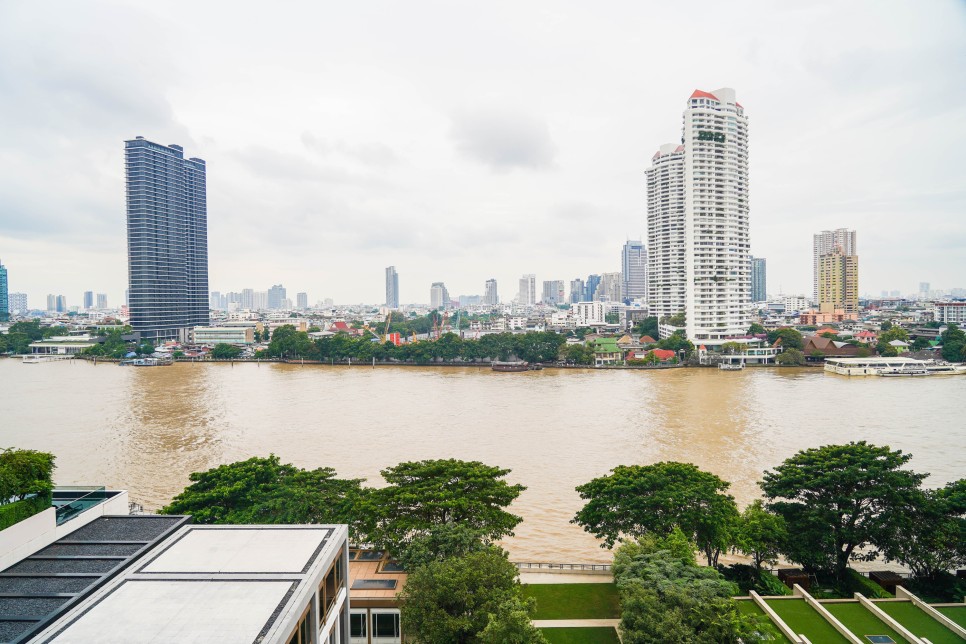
(4, 301)
(167, 239)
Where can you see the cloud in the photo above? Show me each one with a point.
(503, 139)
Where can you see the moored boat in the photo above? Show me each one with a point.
(514, 366)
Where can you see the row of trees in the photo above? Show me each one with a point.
(440, 518)
(537, 346)
(18, 337)
(824, 508)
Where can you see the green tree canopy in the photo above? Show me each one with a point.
(223, 351)
(451, 601)
(422, 495)
(24, 472)
(838, 502)
(264, 490)
(756, 329)
(791, 338)
(760, 534)
(954, 344)
(676, 342)
(792, 357)
(647, 326)
(931, 533)
(668, 599)
(637, 499)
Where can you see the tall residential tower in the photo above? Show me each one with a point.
(826, 242)
(697, 221)
(759, 283)
(167, 240)
(4, 295)
(392, 287)
(490, 295)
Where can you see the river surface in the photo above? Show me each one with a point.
(146, 429)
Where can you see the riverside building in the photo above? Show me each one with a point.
(167, 240)
(697, 221)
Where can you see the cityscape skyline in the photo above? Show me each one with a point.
(496, 165)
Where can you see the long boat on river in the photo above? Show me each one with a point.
(897, 366)
(508, 367)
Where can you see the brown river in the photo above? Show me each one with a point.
(146, 429)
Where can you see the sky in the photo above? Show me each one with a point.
(465, 141)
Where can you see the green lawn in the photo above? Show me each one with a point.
(580, 635)
(921, 624)
(862, 622)
(955, 613)
(574, 601)
(748, 607)
(802, 619)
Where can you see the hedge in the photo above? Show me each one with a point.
(17, 511)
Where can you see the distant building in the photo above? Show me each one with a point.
(60, 304)
(947, 312)
(610, 288)
(88, 300)
(276, 297)
(51, 302)
(247, 299)
(527, 295)
(590, 288)
(438, 296)
(634, 270)
(260, 300)
(302, 301)
(577, 290)
(490, 296)
(838, 282)
(18, 303)
(824, 243)
(392, 287)
(167, 240)
(759, 287)
(795, 303)
(553, 292)
(4, 295)
(101, 301)
(588, 313)
(213, 335)
(214, 301)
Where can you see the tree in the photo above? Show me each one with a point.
(732, 347)
(637, 499)
(665, 598)
(891, 334)
(760, 534)
(612, 317)
(511, 624)
(647, 326)
(440, 542)
(931, 534)
(223, 351)
(791, 357)
(264, 490)
(24, 472)
(954, 344)
(756, 329)
(422, 495)
(885, 326)
(790, 338)
(838, 502)
(676, 342)
(578, 354)
(450, 601)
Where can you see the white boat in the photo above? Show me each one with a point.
(731, 366)
(897, 366)
(38, 358)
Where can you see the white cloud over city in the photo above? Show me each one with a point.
(463, 141)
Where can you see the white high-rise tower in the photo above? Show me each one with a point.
(697, 221)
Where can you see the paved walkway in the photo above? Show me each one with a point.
(574, 623)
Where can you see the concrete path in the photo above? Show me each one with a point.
(535, 577)
(575, 623)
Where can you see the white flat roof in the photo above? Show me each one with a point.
(240, 550)
(179, 611)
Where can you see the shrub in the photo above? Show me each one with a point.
(16, 512)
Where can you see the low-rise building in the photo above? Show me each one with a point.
(223, 335)
(954, 312)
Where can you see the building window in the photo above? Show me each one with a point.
(385, 626)
(303, 632)
(357, 624)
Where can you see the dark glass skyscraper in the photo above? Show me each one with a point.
(167, 240)
(758, 280)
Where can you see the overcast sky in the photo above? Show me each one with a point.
(462, 141)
